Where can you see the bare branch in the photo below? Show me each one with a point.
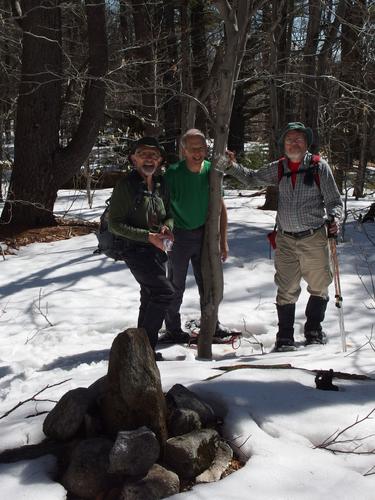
(333, 439)
(256, 341)
(33, 398)
(16, 8)
(39, 308)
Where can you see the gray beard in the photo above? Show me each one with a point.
(148, 170)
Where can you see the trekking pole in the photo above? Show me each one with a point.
(338, 296)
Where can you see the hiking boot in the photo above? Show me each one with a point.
(285, 334)
(315, 312)
(284, 345)
(158, 356)
(285, 314)
(176, 337)
(315, 337)
(222, 331)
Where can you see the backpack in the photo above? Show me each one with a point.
(311, 172)
(108, 243)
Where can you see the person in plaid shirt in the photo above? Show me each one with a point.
(309, 206)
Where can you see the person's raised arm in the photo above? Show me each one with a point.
(265, 176)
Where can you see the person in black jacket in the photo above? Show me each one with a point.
(140, 213)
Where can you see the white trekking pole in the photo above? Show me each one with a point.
(338, 296)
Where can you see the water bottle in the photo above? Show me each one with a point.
(167, 244)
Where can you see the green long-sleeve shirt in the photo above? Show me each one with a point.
(134, 211)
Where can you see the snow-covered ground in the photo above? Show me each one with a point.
(61, 306)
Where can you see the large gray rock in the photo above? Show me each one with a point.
(134, 396)
(189, 455)
(87, 474)
(220, 463)
(181, 421)
(98, 389)
(179, 397)
(93, 425)
(159, 483)
(134, 452)
(64, 420)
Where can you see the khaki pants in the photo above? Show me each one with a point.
(297, 258)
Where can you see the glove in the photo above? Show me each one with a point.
(333, 227)
(225, 162)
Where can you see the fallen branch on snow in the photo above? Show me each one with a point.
(34, 398)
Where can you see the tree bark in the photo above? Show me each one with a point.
(187, 117)
(281, 21)
(143, 16)
(172, 106)
(359, 183)
(345, 135)
(41, 166)
(280, 98)
(199, 66)
(236, 139)
(236, 23)
(309, 97)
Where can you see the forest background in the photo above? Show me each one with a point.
(79, 80)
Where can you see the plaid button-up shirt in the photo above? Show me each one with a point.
(302, 207)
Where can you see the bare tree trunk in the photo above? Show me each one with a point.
(125, 28)
(199, 65)
(280, 98)
(187, 113)
(197, 84)
(345, 136)
(1, 178)
(41, 166)
(146, 63)
(361, 173)
(38, 115)
(236, 23)
(236, 139)
(172, 106)
(88, 176)
(1, 159)
(309, 96)
(281, 19)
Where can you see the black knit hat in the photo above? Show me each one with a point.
(151, 142)
(299, 127)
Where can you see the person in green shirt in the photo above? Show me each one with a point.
(140, 213)
(188, 182)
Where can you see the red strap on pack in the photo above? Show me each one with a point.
(280, 168)
(314, 161)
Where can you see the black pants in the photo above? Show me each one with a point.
(187, 247)
(148, 266)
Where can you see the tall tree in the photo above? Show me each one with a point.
(172, 105)
(278, 22)
(199, 67)
(41, 165)
(309, 97)
(145, 56)
(236, 18)
(9, 77)
(186, 83)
